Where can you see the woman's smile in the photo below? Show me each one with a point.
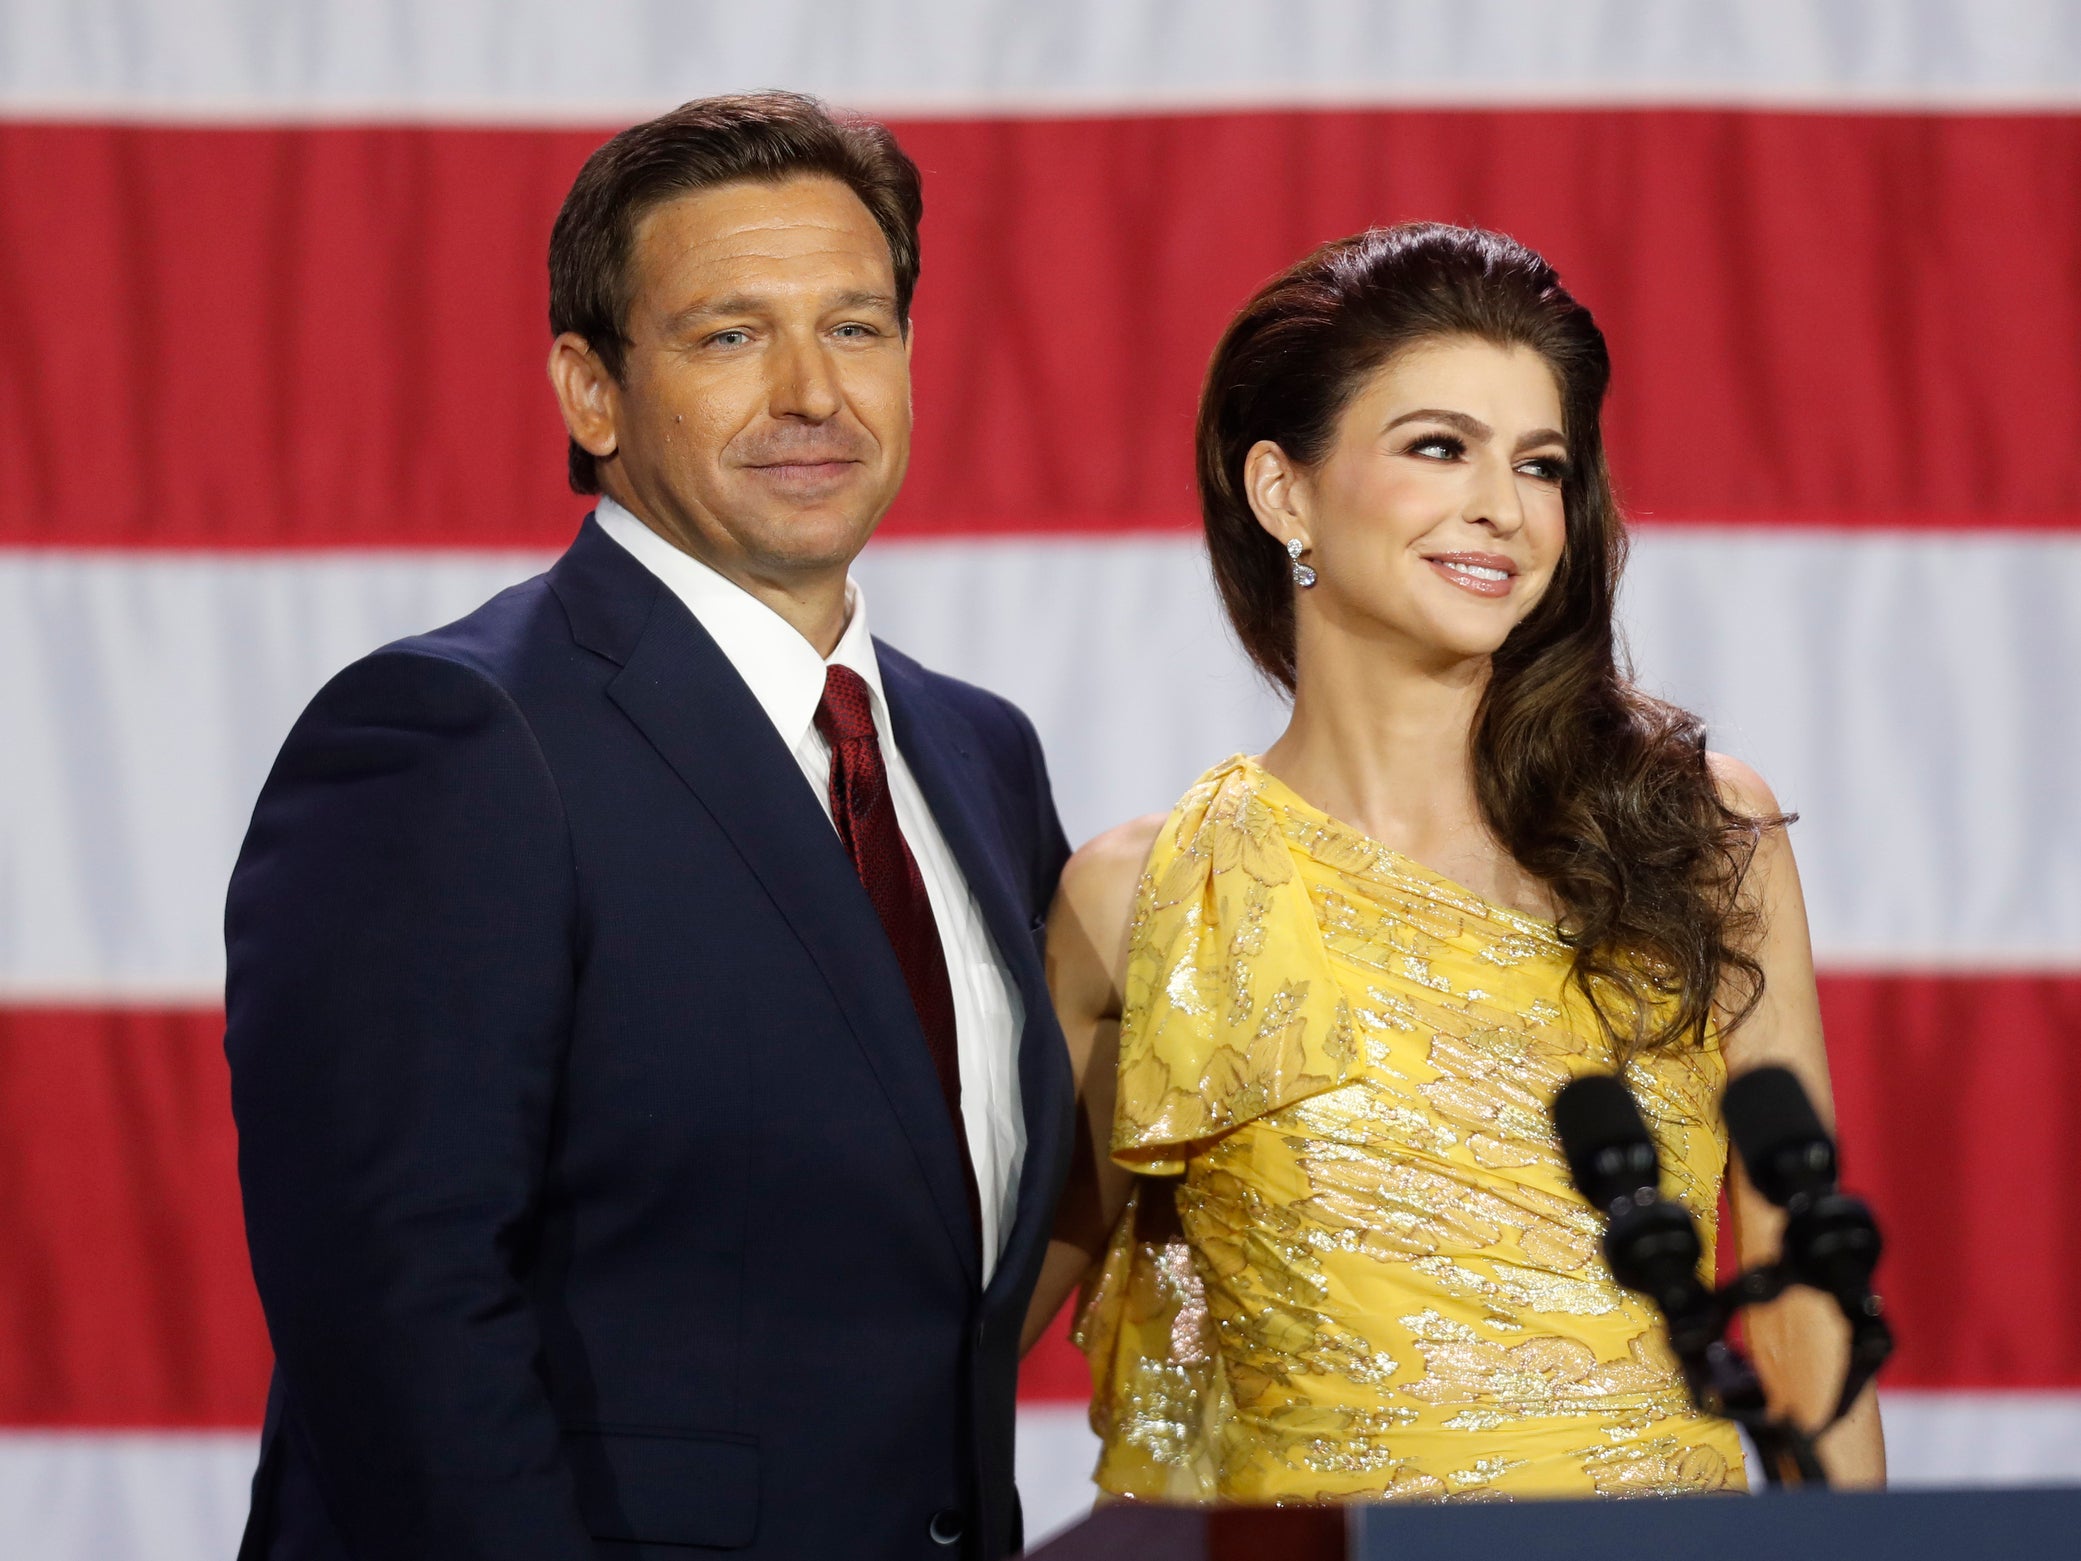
(1483, 574)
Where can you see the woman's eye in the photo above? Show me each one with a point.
(1439, 447)
(1546, 468)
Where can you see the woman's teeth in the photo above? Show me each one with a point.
(1481, 579)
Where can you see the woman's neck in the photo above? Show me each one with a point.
(1383, 740)
(1385, 748)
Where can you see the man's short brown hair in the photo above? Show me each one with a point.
(759, 136)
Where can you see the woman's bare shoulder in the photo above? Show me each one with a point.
(1740, 787)
(1087, 929)
(1100, 877)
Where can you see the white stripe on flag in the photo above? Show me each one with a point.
(494, 60)
(181, 1496)
(1911, 696)
(124, 1495)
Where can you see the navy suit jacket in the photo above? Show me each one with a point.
(602, 1198)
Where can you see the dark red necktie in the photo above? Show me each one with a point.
(865, 814)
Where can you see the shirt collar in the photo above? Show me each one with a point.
(781, 668)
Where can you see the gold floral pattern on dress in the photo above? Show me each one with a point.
(1158, 1395)
(1660, 1466)
(1354, 1265)
(1227, 1024)
(1542, 1375)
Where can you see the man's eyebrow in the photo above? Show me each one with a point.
(714, 308)
(865, 300)
(738, 305)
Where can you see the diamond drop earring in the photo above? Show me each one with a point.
(1303, 576)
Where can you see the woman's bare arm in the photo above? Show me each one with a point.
(1800, 1342)
(1087, 954)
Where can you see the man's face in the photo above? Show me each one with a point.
(762, 416)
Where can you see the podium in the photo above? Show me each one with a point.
(2014, 1525)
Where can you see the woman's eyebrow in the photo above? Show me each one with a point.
(1464, 422)
(1474, 428)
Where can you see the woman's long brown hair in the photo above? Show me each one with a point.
(1599, 790)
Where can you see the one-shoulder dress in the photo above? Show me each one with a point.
(1354, 1266)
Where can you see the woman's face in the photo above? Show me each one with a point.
(1435, 518)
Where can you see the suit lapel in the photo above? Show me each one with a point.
(681, 692)
(940, 750)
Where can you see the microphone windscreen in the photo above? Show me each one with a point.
(1609, 1152)
(1778, 1133)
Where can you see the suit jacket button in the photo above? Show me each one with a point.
(946, 1527)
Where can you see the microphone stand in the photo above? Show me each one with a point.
(1830, 1241)
(1651, 1248)
(1723, 1381)
(1651, 1245)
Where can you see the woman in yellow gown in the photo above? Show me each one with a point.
(1330, 1250)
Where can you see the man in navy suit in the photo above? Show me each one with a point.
(650, 1109)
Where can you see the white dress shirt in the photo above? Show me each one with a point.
(786, 676)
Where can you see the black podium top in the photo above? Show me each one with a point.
(2015, 1525)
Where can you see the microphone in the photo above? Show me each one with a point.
(1787, 1151)
(1650, 1243)
(1609, 1152)
(1831, 1241)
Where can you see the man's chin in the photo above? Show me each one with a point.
(809, 540)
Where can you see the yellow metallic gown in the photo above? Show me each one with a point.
(1354, 1266)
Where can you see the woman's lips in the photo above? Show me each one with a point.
(1483, 574)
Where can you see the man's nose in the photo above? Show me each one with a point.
(804, 382)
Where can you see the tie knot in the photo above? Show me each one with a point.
(846, 714)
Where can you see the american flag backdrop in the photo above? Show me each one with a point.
(272, 323)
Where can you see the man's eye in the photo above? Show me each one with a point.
(729, 338)
(856, 331)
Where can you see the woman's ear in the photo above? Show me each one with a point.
(1277, 490)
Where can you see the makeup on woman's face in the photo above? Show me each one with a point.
(1437, 512)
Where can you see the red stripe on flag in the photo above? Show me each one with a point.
(334, 337)
(1959, 1104)
(125, 1297)
(1055, 1370)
